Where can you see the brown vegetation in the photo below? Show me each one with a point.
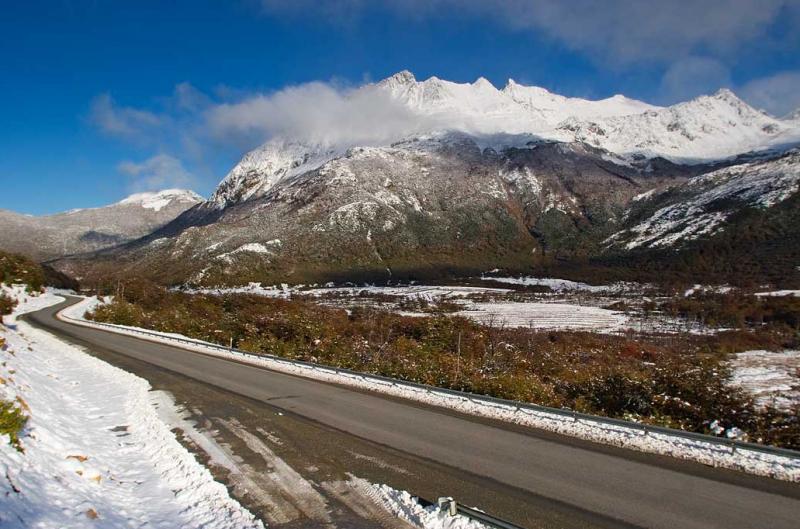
(19, 269)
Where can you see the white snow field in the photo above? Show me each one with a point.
(536, 315)
(713, 454)
(99, 449)
(771, 377)
(546, 316)
(424, 292)
(779, 293)
(557, 285)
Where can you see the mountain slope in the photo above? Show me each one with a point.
(86, 230)
(736, 224)
(429, 206)
(700, 207)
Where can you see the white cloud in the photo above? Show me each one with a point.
(778, 94)
(320, 112)
(161, 171)
(121, 121)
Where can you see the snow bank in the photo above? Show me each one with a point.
(95, 451)
(406, 507)
(706, 452)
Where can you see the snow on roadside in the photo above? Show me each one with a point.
(95, 452)
(713, 454)
(769, 376)
(406, 507)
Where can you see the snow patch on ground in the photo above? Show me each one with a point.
(562, 285)
(779, 293)
(771, 377)
(95, 451)
(422, 292)
(707, 289)
(538, 315)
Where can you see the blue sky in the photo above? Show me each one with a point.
(100, 99)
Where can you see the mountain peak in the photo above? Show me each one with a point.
(483, 82)
(727, 95)
(401, 78)
(156, 200)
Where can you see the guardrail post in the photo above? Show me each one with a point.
(449, 504)
(733, 447)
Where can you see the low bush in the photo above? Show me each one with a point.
(19, 269)
(7, 304)
(12, 421)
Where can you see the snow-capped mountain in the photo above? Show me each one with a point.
(516, 177)
(160, 199)
(702, 130)
(86, 230)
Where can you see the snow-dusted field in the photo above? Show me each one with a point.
(769, 376)
(534, 314)
(546, 316)
(779, 293)
(562, 285)
(423, 292)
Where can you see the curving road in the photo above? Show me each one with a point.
(621, 487)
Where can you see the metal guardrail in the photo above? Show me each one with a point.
(731, 444)
(453, 508)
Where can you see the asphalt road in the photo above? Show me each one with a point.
(628, 488)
